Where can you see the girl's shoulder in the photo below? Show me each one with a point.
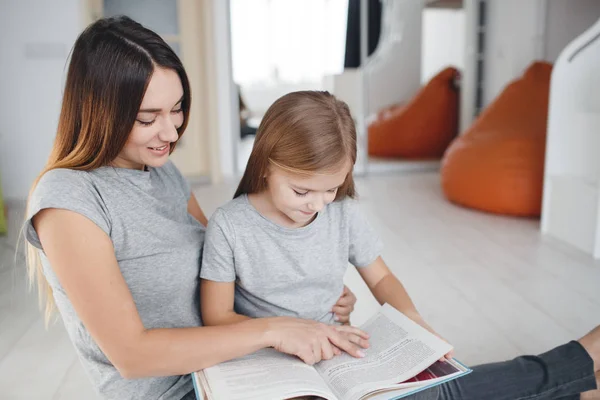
(344, 208)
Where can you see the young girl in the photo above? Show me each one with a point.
(282, 245)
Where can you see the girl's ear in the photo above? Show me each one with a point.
(268, 171)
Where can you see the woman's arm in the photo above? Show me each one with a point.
(82, 256)
(195, 210)
(216, 303)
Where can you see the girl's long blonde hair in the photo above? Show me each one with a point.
(111, 65)
(306, 132)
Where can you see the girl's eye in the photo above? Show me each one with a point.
(332, 190)
(146, 123)
(300, 193)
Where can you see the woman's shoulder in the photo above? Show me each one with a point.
(63, 180)
(58, 174)
(66, 189)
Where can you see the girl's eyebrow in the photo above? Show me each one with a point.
(310, 190)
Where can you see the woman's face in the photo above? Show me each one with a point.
(155, 128)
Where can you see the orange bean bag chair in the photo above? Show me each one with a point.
(497, 165)
(422, 128)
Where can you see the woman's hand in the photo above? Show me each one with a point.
(344, 306)
(314, 341)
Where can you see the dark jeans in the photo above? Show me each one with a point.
(561, 373)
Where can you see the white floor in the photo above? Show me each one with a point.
(491, 285)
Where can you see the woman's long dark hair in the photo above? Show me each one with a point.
(111, 65)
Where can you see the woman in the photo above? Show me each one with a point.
(121, 232)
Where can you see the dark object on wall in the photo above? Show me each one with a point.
(352, 58)
(245, 129)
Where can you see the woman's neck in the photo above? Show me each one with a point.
(121, 163)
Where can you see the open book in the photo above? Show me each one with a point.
(403, 358)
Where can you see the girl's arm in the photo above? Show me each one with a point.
(388, 289)
(82, 256)
(216, 303)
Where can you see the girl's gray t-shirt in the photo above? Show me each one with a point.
(281, 271)
(158, 247)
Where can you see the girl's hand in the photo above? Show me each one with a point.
(313, 341)
(344, 306)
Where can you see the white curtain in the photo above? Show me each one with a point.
(287, 41)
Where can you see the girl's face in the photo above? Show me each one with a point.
(155, 128)
(298, 198)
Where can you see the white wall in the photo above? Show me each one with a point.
(35, 39)
(572, 167)
(443, 41)
(514, 38)
(226, 93)
(394, 69)
(565, 21)
(520, 32)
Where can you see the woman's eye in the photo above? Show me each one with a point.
(177, 111)
(146, 123)
(301, 194)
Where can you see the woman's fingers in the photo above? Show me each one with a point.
(317, 353)
(326, 349)
(313, 342)
(345, 343)
(353, 330)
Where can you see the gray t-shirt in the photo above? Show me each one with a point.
(157, 245)
(283, 271)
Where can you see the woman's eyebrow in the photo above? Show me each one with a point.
(156, 110)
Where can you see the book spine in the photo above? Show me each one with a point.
(196, 388)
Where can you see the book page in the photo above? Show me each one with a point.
(436, 373)
(265, 374)
(399, 350)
